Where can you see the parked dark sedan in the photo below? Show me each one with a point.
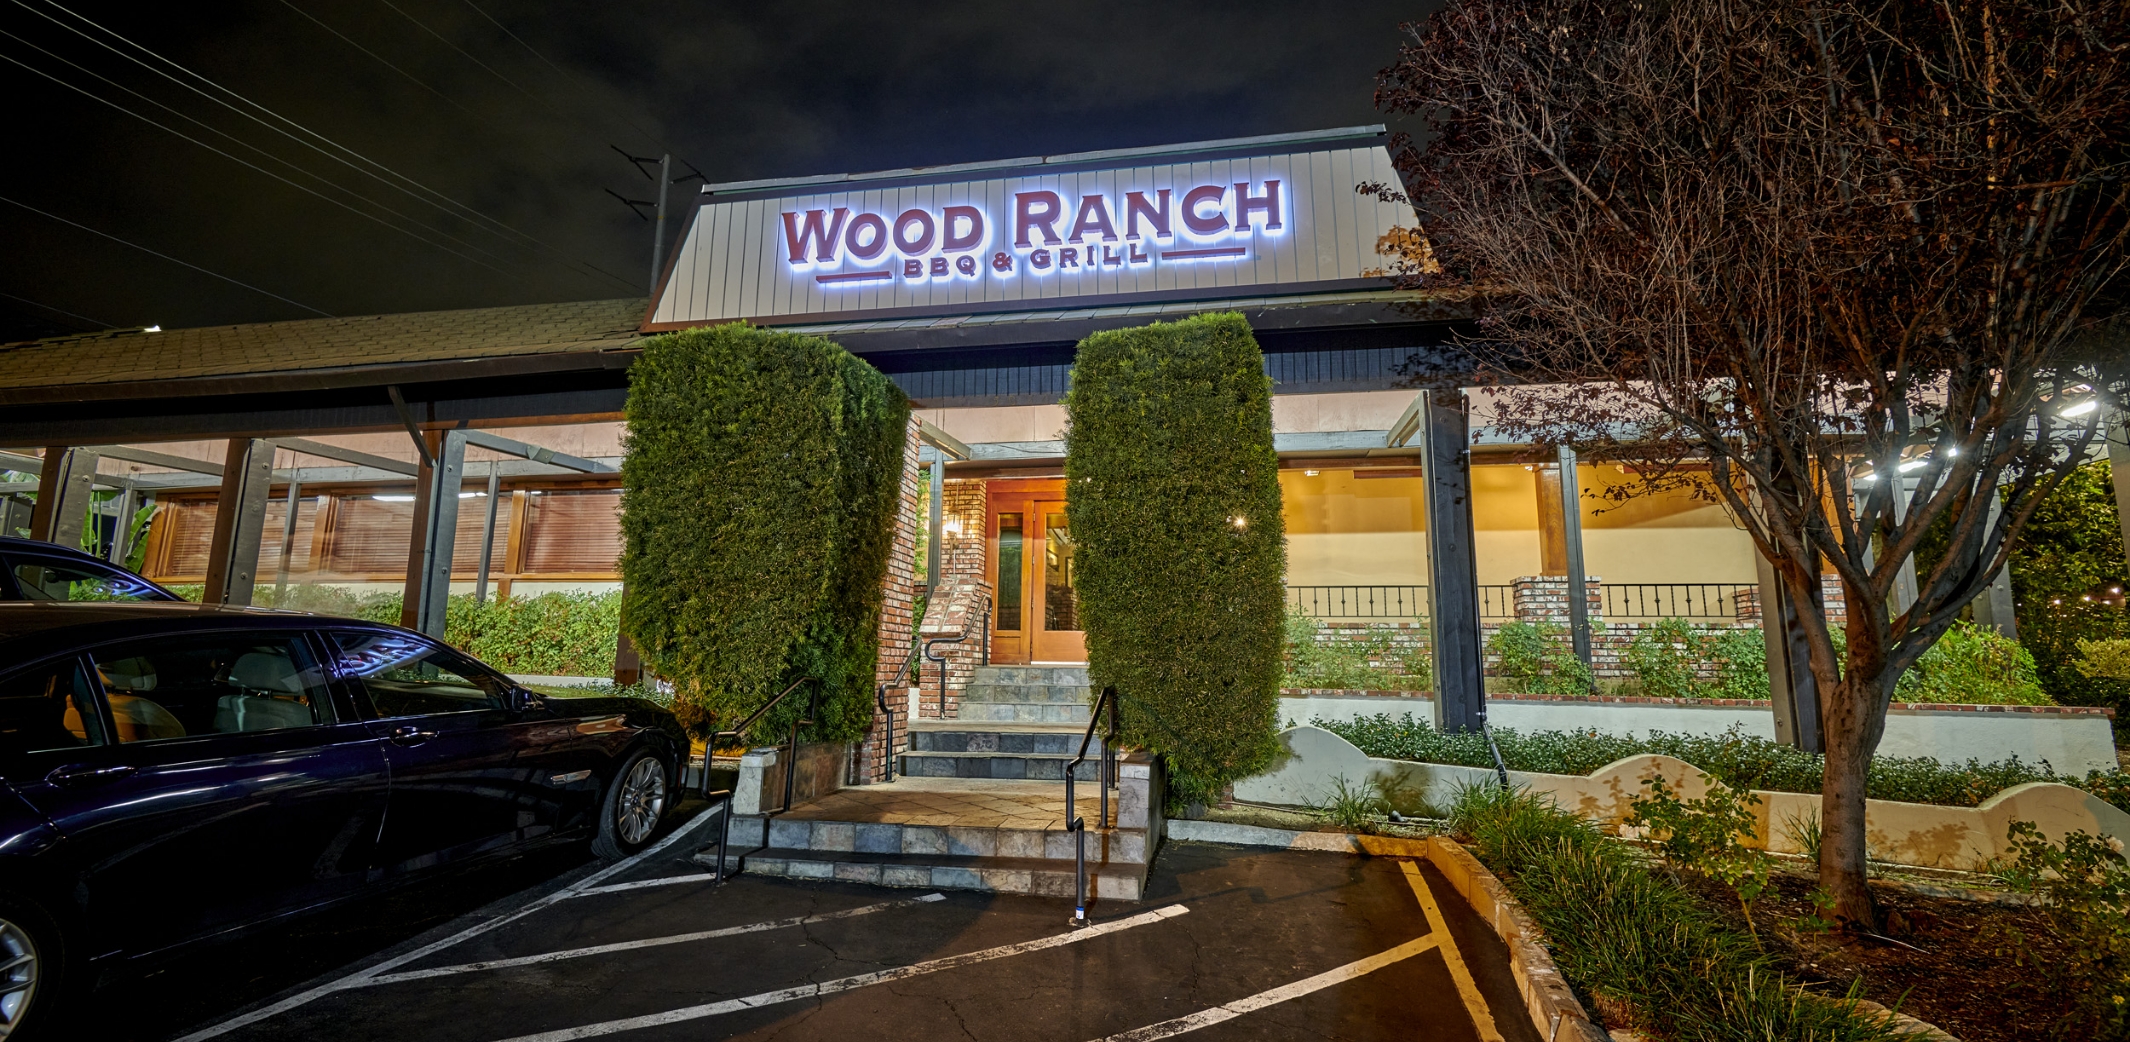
(175, 773)
(37, 571)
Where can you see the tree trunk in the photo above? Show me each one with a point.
(1850, 740)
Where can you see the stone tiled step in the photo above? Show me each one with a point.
(1048, 741)
(1068, 676)
(1063, 694)
(1022, 713)
(1027, 766)
(1122, 846)
(941, 872)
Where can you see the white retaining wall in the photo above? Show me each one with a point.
(2073, 740)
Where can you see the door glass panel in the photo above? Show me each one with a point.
(1061, 611)
(41, 579)
(48, 707)
(408, 676)
(1009, 573)
(211, 683)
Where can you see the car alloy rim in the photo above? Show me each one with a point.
(643, 797)
(18, 975)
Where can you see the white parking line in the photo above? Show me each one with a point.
(1231, 1010)
(812, 991)
(357, 979)
(651, 942)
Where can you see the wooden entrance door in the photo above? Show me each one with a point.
(1033, 573)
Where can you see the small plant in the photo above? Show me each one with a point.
(1352, 807)
(1663, 658)
(1706, 836)
(1533, 658)
(1368, 659)
(1804, 832)
(1821, 918)
(1971, 665)
(2104, 659)
(1741, 660)
(2086, 886)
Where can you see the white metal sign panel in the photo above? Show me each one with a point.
(1288, 222)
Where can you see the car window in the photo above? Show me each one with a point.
(408, 676)
(51, 579)
(211, 683)
(47, 707)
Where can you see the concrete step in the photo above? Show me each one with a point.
(1064, 676)
(1120, 846)
(972, 712)
(1060, 694)
(1025, 766)
(933, 738)
(1005, 875)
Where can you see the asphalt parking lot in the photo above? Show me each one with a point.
(1231, 943)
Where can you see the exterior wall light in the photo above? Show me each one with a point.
(2080, 408)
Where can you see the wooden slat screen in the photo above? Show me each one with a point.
(576, 532)
(369, 537)
(187, 531)
(466, 542)
(270, 538)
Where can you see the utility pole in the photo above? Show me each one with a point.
(658, 230)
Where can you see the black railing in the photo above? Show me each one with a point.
(1359, 602)
(1671, 600)
(1497, 602)
(791, 765)
(1105, 776)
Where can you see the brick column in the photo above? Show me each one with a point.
(1544, 598)
(897, 606)
(956, 609)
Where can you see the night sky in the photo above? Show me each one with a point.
(421, 154)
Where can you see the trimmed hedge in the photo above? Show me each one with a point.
(758, 505)
(1175, 504)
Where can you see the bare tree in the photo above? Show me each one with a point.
(1844, 267)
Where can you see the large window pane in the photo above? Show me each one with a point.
(211, 683)
(48, 707)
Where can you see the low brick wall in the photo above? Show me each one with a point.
(1608, 645)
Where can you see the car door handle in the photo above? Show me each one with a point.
(81, 774)
(410, 735)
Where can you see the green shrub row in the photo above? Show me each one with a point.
(1638, 940)
(1738, 760)
(1181, 549)
(759, 492)
(1366, 658)
(552, 634)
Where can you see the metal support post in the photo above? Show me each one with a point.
(63, 489)
(1790, 681)
(1572, 528)
(1994, 608)
(936, 527)
(294, 499)
(658, 231)
(122, 525)
(436, 520)
(239, 521)
(488, 538)
(1453, 569)
(2119, 470)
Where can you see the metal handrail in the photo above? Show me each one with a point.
(1074, 823)
(880, 700)
(791, 763)
(941, 661)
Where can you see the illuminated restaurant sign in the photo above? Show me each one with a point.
(1036, 238)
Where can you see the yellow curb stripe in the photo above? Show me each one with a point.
(1474, 1003)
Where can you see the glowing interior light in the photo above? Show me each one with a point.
(1310, 473)
(472, 495)
(1867, 479)
(1915, 464)
(393, 499)
(153, 329)
(2081, 408)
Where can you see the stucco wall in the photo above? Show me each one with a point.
(2073, 741)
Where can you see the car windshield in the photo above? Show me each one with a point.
(51, 579)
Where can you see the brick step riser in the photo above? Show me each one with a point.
(1055, 743)
(1045, 694)
(1104, 846)
(1009, 766)
(1021, 713)
(1108, 883)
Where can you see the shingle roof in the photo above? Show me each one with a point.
(321, 344)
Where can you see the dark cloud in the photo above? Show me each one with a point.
(478, 139)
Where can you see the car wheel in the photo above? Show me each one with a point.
(634, 805)
(32, 970)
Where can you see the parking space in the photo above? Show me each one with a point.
(1229, 944)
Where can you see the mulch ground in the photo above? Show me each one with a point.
(1958, 964)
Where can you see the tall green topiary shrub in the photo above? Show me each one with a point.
(1173, 492)
(758, 505)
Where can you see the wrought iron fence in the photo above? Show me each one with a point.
(1497, 603)
(1359, 602)
(1672, 600)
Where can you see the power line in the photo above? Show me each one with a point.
(241, 143)
(439, 200)
(165, 256)
(97, 322)
(254, 166)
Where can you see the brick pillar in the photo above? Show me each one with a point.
(957, 609)
(897, 606)
(1544, 598)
